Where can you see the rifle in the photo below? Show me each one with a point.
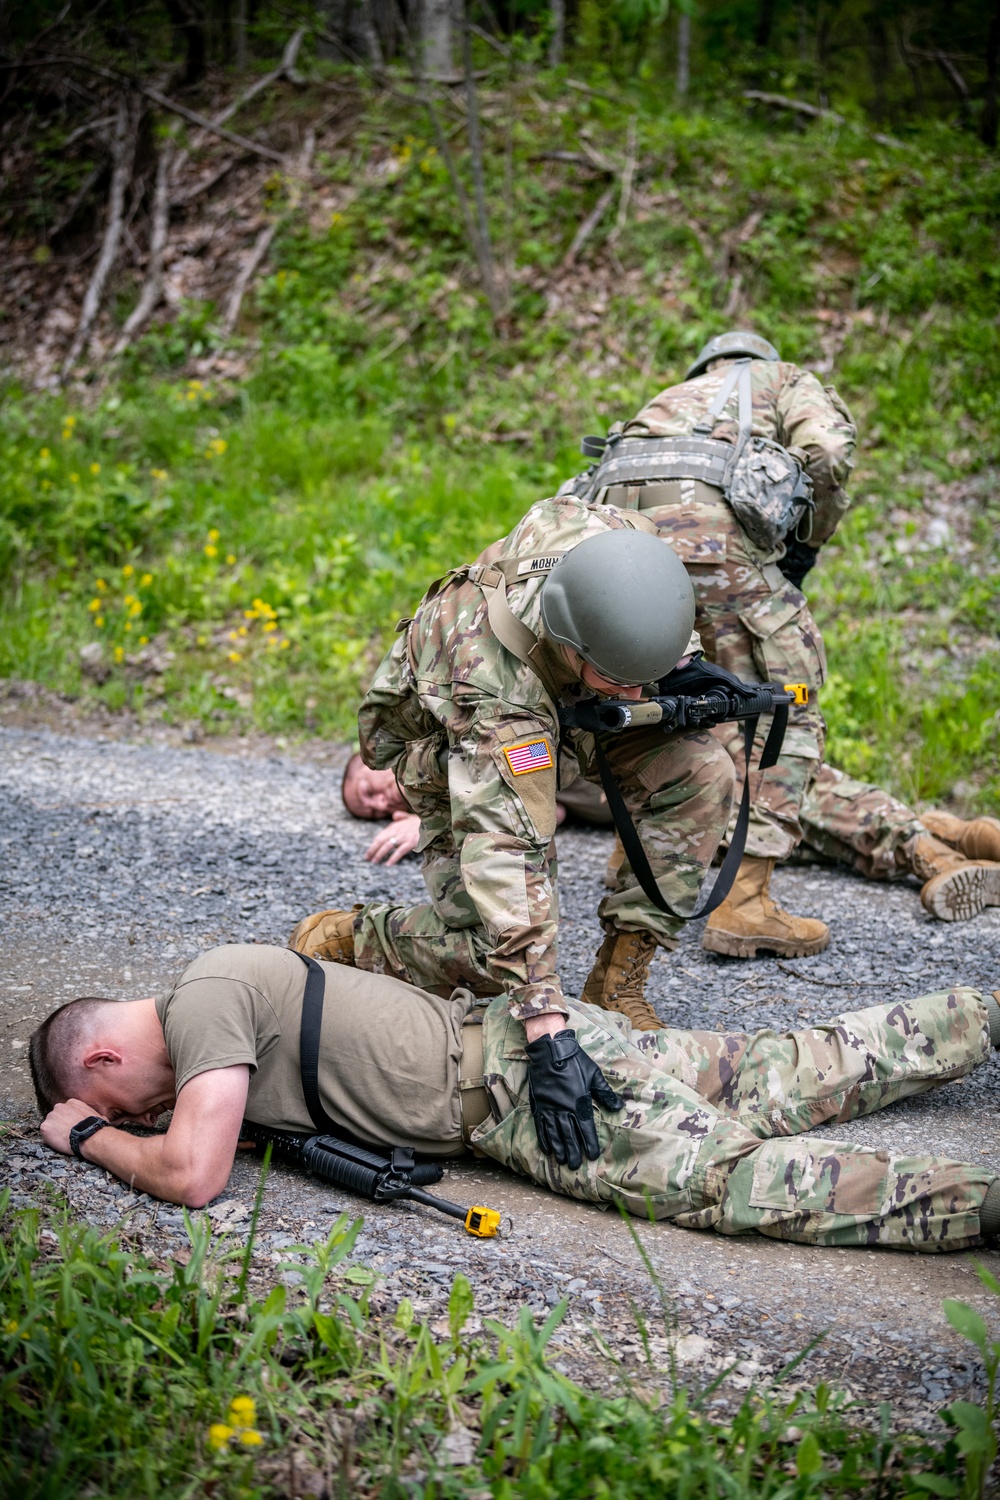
(376, 1175)
(713, 696)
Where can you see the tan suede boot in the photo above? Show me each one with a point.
(977, 839)
(327, 935)
(618, 979)
(956, 888)
(615, 861)
(750, 920)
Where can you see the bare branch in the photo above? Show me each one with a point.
(242, 141)
(153, 286)
(628, 174)
(588, 226)
(802, 107)
(126, 130)
(285, 69)
(258, 253)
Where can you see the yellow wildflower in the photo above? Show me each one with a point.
(235, 656)
(120, 651)
(158, 473)
(95, 469)
(44, 453)
(145, 580)
(74, 479)
(10, 1326)
(251, 614)
(210, 551)
(99, 621)
(94, 606)
(69, 421)
(285, 645)
(230, 558)
(270, 625)
(216, 448)
(144, 640)
(213, 535)
(128, 624)
(250, 1437)
(219, 1435)
(242, 1411)
(202, 640)
(100, 585)
(128, 570)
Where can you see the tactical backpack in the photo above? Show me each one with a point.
(764, 484)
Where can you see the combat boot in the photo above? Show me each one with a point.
(956, 889)
(618, 979)
(977, 839)
(750, 920)
(615, 861)
(328, 935)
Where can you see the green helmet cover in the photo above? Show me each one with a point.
(738, 342)
(623, 599)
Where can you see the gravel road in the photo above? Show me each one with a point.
(122, 860)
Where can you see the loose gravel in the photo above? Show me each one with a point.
(121, 861)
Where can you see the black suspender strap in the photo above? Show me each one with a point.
(309, 1037)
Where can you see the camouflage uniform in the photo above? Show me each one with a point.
(854, 823)
(750, 618)
(448, 708)
(705, 1138)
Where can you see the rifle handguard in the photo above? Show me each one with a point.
(680, 711)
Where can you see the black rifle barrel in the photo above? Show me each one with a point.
(613, 715)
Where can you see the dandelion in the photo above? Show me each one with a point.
(242, 1411)
(128, 624)
(128, 570)
(210, 551)
(158, 473)
(230, 558)
(69, 422)
(285, 645)
(144, 640)
(219, 1435)
(44, 453)
(94, 606)
(10, 1326)
(74, 479)
(99, 621)
(250, 1438)
(201, 640)
(242, 630)
(233, 635)
(46, 484)
(145, 580)
(100, 585)
(214, 534)
(235, 656)
(120, 651)
(215, 449)
(270, 626)
(95, 469)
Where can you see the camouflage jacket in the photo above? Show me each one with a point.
(473, 738)
(789, 406)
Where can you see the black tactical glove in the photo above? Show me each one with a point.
(561, 1082)
(798, 559)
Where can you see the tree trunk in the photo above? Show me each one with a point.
(765, 23)
(241, 36)
(557, 41)
(438, 60)
(988, 124)
(683, 53)
(189, 29)
(369, 33)
(878, 60)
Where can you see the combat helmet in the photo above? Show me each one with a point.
(728, 345)
(623, 599)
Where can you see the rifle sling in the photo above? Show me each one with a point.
(309, 1039)
(632, 844)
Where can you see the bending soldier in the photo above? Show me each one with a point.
(749, 529)
(701, 1128)
(464, 711)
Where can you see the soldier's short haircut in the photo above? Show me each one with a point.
(354, 765)
(53, 1044)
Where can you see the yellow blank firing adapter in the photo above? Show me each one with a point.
(800, 689)
(484, 1222)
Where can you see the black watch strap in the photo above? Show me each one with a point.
(82, 1131)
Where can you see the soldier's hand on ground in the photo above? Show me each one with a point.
(60, 1121)
(563, 1082)
(397, 839)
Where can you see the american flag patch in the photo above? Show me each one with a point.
(534, 756)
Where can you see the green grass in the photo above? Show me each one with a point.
(365, 451)
(119, 1379)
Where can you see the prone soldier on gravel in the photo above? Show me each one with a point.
(697, 1127)
(578, 600)
(743, 468)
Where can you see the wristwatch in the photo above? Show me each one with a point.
(82, 1131)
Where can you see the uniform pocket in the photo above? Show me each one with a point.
(822, 1177)
(787, 645)
(420, 775)
(526, 760)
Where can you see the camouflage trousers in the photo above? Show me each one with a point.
(710, 1135)
(678, 792)
(756, 624)
(851, 822)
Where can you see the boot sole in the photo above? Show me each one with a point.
(963, 895)
(733, 946)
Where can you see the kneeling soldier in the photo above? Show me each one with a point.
(575, 601)
(699, 1126)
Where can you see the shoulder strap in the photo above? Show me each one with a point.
(309, 1038)
(519, 639)
(704, 427)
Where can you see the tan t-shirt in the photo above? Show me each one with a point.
(389, 1053)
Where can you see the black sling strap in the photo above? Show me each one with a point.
(309, 1036)
(632, 844)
